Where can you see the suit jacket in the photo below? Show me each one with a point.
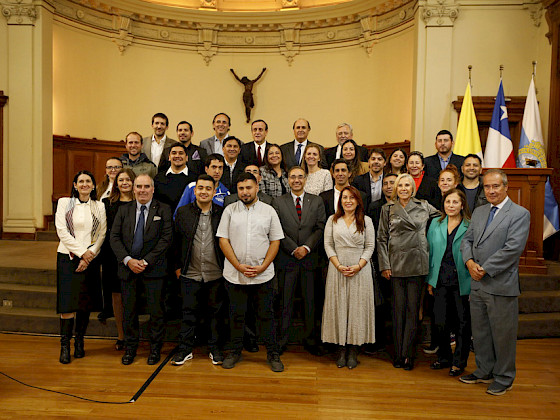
(363, 183)
(158, 234)
(330, 155)
(498, 248)
(289, 155)
(437, 239)
(231, 181)
(402, 246)
(328, 201)
(208, 146)
(308, 231)
(480, 197)
(147, 148)
(232, 198)
(429, 191)
(248, 154)
(196, 157)
(374, 211)
(432, 166)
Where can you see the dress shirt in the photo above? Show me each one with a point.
(376, 190)
(263, 149)
(157, 148)
(250, 231)
(138, 210)
(107, 192)
(204, 264)
(231, 168)
(336, 198)
(303, 145)
(499, 206)
(338, 152)
(217, 144)
(184, 171)
(444, 162)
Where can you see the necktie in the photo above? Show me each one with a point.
(493, 211)
(298, 208)
(298, 154)
(138, 240)
(259, 157)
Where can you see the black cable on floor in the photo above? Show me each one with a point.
(132, 400)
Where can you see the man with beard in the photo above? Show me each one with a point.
(135, 159)
(472, 184)
(196, 155)
(444, 156)
(154, 146)
(371, 183)
(250, 234)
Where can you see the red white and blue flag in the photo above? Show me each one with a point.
(499, 148)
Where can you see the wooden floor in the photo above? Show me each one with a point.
(310, 387)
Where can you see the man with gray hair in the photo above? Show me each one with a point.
(344, 132)
(491, 249)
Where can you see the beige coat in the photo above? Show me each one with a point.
(402, 246)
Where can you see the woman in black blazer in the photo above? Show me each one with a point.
(426, 187)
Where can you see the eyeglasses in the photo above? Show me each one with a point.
(113, 168)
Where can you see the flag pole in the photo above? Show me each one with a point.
(534, 75)
(470, 70)
(501, 70)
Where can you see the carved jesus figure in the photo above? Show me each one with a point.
(248, 93)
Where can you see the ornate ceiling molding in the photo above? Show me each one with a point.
(289, 33)
(19, 12)
(439, 12)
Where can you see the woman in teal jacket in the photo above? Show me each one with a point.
(449, 281)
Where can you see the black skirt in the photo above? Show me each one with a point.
(77, 291)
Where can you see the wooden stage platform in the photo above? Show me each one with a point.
(310, 387)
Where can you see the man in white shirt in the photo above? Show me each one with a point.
(250, 234)
(153, 146)
(292, 152)
(221, 125)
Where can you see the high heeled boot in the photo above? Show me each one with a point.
(341, 356)
(352, 357)
(66, 327)
(82, 321)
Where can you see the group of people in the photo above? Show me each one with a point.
(239, 227)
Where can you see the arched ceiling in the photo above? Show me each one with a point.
(247, 5)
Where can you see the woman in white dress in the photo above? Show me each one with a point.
(349, 310)
(80, 224)
(318, 179)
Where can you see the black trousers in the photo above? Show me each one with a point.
(201, 301)
(289, 277)
(406, 306)
(131, 289)
(448, 306)
(239, 297)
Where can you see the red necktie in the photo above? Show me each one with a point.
(259, 157)
(298, 208)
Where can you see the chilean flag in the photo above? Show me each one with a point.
(499, 148)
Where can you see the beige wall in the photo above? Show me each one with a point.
(488, 37)
(99, 93)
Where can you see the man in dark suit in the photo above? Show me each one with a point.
(341, 174)
(196, 155)
(303, 219)
(254, 152)
(141, 234)
(371, 182)
(292, 152)
(444, 156)
(344, 132)
(154, 146)
(233, 167)
(491, 247)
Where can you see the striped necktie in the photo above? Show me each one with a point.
(298, 208)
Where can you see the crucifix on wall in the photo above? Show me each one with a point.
(248, 93)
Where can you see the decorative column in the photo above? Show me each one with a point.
(553, 153)
(28, 157)
(432, 86)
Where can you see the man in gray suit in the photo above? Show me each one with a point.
(153, 146)
(491, 249)
(221, 124)
(302, 216)
(292, 152)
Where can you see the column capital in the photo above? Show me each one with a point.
(19, 12)
(439, 12)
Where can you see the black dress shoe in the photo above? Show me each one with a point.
(408, 364)
(398, 363)
(154, 356)
(437, 365)
(456, 372)
(128, 357)
(119, 345)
